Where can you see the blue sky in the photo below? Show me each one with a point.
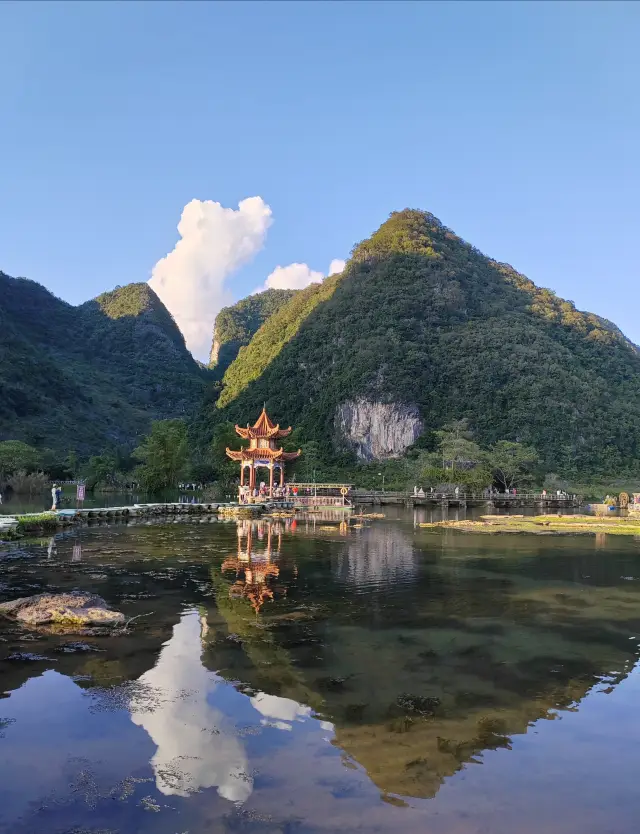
(517, 124)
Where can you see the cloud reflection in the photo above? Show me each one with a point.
(197, 745)
(279, 712)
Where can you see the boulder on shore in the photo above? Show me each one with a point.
(70, 610)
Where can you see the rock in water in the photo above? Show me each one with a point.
(71, 610)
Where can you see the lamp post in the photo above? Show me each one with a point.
(382, 476)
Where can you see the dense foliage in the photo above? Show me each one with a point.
(164, 455)
(234, 326)
(16, 456)
(421, 317)
(271, 338)
(459, 461)
(93, 377)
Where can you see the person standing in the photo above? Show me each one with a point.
(55, 497)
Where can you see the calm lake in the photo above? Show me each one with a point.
(307, 676)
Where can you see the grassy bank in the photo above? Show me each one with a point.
(595, 491)
(35, 523)
(544, 525)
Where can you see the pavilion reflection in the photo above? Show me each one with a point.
(259, 544)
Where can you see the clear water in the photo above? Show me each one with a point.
(309, 677)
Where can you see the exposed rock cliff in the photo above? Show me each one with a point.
(215, 351)
(375, 430)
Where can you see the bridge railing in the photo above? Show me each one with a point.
(325, 500)
(466, 496)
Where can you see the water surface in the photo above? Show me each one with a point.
(307, 676)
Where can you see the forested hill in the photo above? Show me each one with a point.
(91, 377)
(421, 319)
(234, 326)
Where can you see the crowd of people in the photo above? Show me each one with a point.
(489, 492)
(262, 492)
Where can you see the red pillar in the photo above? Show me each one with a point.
(282, 474)
(271, 480)
(252, 477)
(241, 473)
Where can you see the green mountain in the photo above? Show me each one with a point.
(90, 377)
(234, 326)
(422, 328)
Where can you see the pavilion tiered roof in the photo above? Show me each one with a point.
(263, 427)
(262, 438)
(261, 454)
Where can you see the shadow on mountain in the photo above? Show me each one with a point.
(92, 376)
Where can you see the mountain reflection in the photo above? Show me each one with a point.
(404, 654)
(442, 660)
(379, 554)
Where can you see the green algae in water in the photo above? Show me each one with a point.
(543, 525)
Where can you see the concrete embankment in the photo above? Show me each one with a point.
(23, 524)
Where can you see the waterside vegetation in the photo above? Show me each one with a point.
(544, 525)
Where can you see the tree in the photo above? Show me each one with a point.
(456, 445)
(17, 456)
(310, 461)
(224, 436)
(511, 463)
(164, 455)
(201, 470)
(101, 469)
(71, 462)
(54, 465)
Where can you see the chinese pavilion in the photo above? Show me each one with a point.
(262, 450)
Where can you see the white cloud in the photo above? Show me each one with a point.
(298, 276)
(214, 242)
(292, 277)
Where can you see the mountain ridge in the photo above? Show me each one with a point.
(421, 317)
(235, 325)
(90, 377)
(420, 325)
